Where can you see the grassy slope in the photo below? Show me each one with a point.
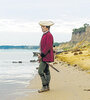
(82, 60)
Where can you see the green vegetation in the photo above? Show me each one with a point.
(67, 48)
(81, 29)
(56, 44)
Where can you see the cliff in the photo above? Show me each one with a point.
(80, 37)
(88, 33)
(77, 37)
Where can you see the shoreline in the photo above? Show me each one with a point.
(68, 84)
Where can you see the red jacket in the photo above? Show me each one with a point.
(46, 47)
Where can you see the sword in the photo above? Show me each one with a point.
(49, 65)
(53, 67)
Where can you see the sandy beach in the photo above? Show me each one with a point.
(70, 83)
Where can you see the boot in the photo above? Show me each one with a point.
(48, 88)
(44, 89)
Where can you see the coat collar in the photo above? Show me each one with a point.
(45, 32)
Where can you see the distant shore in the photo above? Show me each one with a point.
(18, 47)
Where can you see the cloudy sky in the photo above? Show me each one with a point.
(19, 19)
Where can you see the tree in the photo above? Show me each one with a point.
(85, 25)
(81, 29)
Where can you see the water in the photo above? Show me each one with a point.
(14, 77)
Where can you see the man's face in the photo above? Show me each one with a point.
(44, 28)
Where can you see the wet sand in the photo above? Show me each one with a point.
(70, 83)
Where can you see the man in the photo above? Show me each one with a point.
(46, 55)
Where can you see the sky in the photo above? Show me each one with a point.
(19, 19)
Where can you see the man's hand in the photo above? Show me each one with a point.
(39, 57)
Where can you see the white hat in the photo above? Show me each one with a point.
(46, 23)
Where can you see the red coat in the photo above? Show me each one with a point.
(46, 47)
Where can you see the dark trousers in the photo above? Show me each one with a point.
(44, 73)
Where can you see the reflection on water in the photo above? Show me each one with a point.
(14, 77)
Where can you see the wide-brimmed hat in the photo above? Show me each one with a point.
(46, 23)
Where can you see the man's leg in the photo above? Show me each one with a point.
(47, 75)
(41, 70)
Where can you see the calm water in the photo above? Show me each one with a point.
(15, 77)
